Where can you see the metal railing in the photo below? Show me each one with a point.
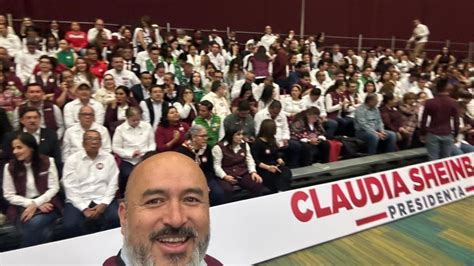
(461, 50)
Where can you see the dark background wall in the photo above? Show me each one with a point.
(447, 20)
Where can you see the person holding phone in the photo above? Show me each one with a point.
(268, 159)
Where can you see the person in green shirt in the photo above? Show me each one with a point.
(66, 55)
(212, 123)
(366, 77)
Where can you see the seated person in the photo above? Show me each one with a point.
(234, 164)
(393, 120)
(242, 118)
(308, 130)
(170, 133)
(369, 127)
(217, 97)
(47, 140)
(30, 185)
(245, 95)
(270, 165)
(186, 105)
(154, 107)
(337, 104)
(72, 137)
(197, 149)
(211, 121)
(90, 181)
(71, 109)
(132, 139)
(293, 105)
(115, 112)
(290, 147)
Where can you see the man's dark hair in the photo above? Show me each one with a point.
(215, 86)
(244, 105)
(275, 105)
(207, 104)
(28, 109)
(315, 92)
(441, 85)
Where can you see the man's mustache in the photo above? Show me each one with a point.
(175, 232)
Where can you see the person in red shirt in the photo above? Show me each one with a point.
(97, 67)
(171, 132)
(77, 38)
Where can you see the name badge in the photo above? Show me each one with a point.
(242, 154)
(43, 173)
(51, 80)
(99, 166)
(181, 129)
(267, 151)
(204, 159)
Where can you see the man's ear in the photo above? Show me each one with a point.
(122, 213)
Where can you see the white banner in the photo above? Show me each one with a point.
(255, 230)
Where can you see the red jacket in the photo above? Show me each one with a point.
(76, 39)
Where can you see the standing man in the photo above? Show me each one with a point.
(439, 135)
(98, 27)
(269, 38)
(419, 38)
(165, 214)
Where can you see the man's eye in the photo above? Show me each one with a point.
(153, 202)
(192, 200)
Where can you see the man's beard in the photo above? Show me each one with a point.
(140, 254)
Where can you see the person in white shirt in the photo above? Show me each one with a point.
(291, 148)
(215, 56)
(122, 76)
(419, 38)
(26, 60)
(337, 56)
(257, 91)
(320, 80)
(293, 105)
(90, 181)
(314, 99)
(215, 38)
(99, 26)
(268, 39)
(218, 99)
(153, 107)
(72, 137)
(131, 141)
(237, 87)
(71, 109)
(194, 58)
(11, 42)
(421, 86)
(34, 98)
(30, 184)
(234, 164)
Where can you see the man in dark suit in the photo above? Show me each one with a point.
(141, 91)
(55, 31)
(129, 61)
(47, 139)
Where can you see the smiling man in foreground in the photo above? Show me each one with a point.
(165, 214)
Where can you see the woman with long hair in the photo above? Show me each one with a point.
(171, 131)
(197, 86)
(245, 95)
(268, 95)
(234, 73)
(234, 164)
(186, 105)
(82, 73)
(51, 46)
(268, 159)
(30, 185)
(293, 104)
(261, 64)
(308, 130)
(116, 110)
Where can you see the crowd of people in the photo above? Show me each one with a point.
(79, 110)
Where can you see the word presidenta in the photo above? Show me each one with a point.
(389, 185)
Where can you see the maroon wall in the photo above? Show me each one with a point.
(372, 18)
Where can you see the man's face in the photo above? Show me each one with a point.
(168, 79)
(3, 53)
(54, 25)
(117, 63)
(243, 114)
(274, 112)
(31, 48)
(320, 77)
(421, 83)
(127, 54)
(367, 72)
(92, 142)
(165, 219)
(83, 93)
(146, 80)
(268, 30)
(372, 103)
(250, 78)
(86, 117)
(203, 112)
(306, 80)
(218, 76)
(215, 49)
(99, 24)
(34, 94)
(156, 94)
(154, 55)
(31, 121)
